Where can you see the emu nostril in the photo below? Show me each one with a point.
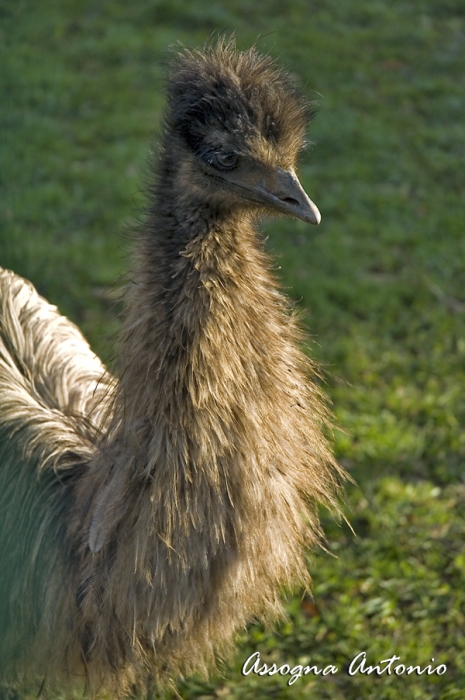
(290, 200)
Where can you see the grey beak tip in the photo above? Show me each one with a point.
(314, 216)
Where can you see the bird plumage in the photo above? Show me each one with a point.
(145, 519)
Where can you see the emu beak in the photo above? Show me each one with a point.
(284, 192)
(278, 189)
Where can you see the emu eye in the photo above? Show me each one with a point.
(223, 161)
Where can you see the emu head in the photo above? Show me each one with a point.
(235, 125)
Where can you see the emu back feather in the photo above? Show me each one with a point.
(53, 392)
(145, 520)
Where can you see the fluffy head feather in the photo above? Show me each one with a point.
(243, 99)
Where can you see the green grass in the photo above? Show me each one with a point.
(381, 279)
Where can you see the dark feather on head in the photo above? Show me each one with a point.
(239, 95)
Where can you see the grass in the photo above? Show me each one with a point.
(381, 280)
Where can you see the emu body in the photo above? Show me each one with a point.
(144, 519)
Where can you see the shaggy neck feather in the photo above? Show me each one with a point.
(215, 450)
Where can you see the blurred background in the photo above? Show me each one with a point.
(380, 281)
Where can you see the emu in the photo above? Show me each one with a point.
(145, 518)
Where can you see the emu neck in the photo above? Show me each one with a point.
(213, 393)
(198, 317)
(205, 390)
(215, 439)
